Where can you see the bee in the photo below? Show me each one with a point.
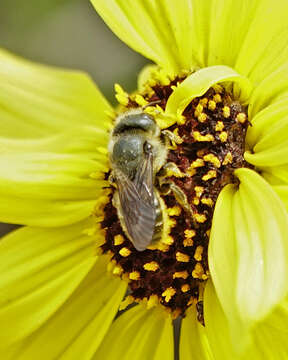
(136, 154)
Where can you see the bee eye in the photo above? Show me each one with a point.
(147, 147)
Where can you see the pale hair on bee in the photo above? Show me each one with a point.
(137, 153)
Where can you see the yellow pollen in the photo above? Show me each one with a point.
(99, 209)
(124, 252)
(117, 270)
(203, 101)
(217, 98)
(171, 222)
(212, 159)
(228, 159)
(207, 201)
(151, 266)
(188, 242)
(226, 112)
(168, 294)
(198, 110)
(198, 253)
(185, 288)
(155, 111)
(180, 275)
(126, 302)
(159, 246)
(174, 171)
(197, 163)
(219, 126)
(196, 201)
(223, 136)
(174, 211)
(210, 175)
(191, 171)
(121, 96)
(202, 117)
(134, 275)
(198, 137)
(189, 233)
(168, 240)
(118, 239)
(199, 190)
(200, 218)
(182, 257)
(198, 271)
(211, 105)
(241, 117)
(139, 99)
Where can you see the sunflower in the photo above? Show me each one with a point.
(73, 286)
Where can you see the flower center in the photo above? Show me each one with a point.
(202, 154)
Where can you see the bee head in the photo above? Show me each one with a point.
(128, 152)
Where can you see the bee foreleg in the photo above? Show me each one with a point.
(171, 139)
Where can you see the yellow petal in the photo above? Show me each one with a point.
(272, 88)
(263, 48)
(36, 100)
(217, 330)
(248, 269)
(277, 175)
(200, 81)
(222, 259)
(142, 33)
(270, 336)
(282, 192)
(261, 217)
(139, 334)
(267, 137)
(267, 338)
(47, 182)
(264, 120)
(194, 344)
(188, 34)
(39, 271)
(77, 328)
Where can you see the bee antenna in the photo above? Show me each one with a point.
(151, 103)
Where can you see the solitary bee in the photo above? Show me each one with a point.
(136, 155)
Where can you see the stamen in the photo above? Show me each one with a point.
(151, 266)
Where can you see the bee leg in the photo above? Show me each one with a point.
(171, 139)
(167, 186)
(181, 197)
(171, 169)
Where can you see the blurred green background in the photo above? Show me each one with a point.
(68, 33)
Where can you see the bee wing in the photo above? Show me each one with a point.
(144, 179)
(137, 204)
